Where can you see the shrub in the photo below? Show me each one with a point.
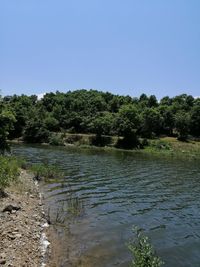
(9, 171)
(100, 140)
(56, 140)
(143, 143)
(143, 252)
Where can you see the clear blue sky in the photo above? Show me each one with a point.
(125, 47)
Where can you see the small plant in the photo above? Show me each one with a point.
(9, 171)
(46, 171)
(75, 206)
(143, 252)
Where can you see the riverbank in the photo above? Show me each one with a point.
(22, 225)
(165, 146)
(170, 146)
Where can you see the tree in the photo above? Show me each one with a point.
(182, 122)
(6, 121)
(102, 124)
(195, 120)
(168, 119)
(21, 107)
(126, 125)
(152, 101)
(51, 123)
(166, 101)
(36, 131)
(152, 122)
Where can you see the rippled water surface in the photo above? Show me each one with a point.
(103, 194)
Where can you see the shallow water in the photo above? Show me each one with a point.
(104, 194)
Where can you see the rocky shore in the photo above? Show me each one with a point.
(22, 225)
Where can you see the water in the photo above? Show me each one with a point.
(103, 194)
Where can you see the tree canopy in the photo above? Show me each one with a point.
(100, 113)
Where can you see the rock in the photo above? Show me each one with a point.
(3, 194)
(12, 237)
(10, 208)
(18, 235)
(3, 255)
(2, 258)
(2, 262)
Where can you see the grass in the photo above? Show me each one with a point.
(172, 146)
(9, 172)
(46, 172)
(168, 146)
(165, 145)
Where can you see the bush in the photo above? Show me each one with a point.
(143, 252)
(128, 142)
(56, 140)
(143, 143)
(9, 171)
(100, 140)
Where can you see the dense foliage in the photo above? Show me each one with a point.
(101, 114)
(7, 119)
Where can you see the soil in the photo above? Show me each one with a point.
(22, 226)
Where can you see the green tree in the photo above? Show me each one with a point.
(168, 119)
(182, 123)
(166, 101)
(51, 123)
(36, 131)
(102, 124)
(152, 101)
(126, 124)
(6, 122)
(195, 120)
(152, 122)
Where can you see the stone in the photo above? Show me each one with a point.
(2, 262)
(18, 235)
(10, 208)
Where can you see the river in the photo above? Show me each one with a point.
(104, 194)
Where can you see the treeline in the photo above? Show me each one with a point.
(101, 114)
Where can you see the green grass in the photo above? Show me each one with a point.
(168, 146)
(172, 147)
(46, 171)
(9, 171)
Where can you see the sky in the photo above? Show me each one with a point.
(125, 47)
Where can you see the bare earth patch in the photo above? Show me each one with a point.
(21, 227)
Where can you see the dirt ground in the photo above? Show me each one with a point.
(22, 227)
